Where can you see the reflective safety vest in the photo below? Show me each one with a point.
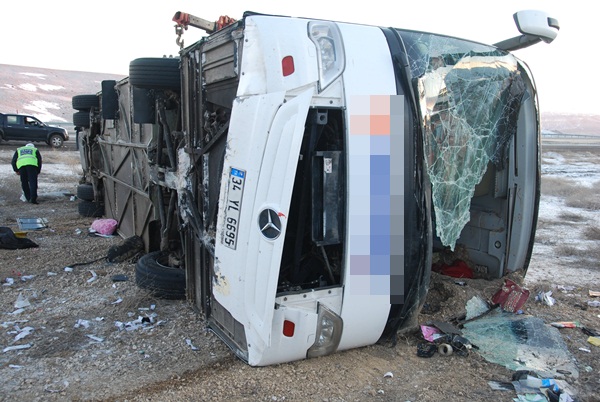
(26, 156)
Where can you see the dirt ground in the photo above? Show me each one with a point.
(82, 338)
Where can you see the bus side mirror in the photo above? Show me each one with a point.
(535, 26)
(537, 23)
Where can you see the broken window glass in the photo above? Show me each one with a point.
(520, 342)
(469, 97)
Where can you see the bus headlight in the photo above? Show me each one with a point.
(328, 335)
(330, 51)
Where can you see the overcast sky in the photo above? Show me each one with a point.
(104, 36)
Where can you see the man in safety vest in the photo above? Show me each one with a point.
(27, 163)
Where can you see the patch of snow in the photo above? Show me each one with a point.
(47, 188)
(40, 108)
(553, 158)
(37, 75)
(49, 87)
(28, 87)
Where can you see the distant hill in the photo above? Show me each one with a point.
(47, 94)
(564, 123)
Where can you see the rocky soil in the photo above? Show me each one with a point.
(81, 334)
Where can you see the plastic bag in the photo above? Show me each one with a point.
(104, 226)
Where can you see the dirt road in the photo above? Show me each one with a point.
(87, 340)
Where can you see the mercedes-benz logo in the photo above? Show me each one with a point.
(269, 224)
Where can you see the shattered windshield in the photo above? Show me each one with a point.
(469, 97)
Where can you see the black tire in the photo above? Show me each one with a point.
(153, 273)
(155, 73)
(144, 110)
(110, 100)
(85, 192)
(85, 102)
(81, 119)
(56, 141)
(91, 209)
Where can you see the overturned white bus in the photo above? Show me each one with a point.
(292, 177)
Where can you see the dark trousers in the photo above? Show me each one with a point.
(29, 181)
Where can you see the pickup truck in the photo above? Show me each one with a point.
(18, 127)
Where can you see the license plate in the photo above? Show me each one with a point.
(233, 207)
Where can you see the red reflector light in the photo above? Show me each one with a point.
(287, 65)
(288, 328)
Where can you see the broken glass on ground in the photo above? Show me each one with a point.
(476, 306)
(22, 302)
(16, 347)
(21, 332)
(521, 342)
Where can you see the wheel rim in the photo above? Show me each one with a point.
(56, 141)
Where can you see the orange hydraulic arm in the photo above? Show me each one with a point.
(183, 20)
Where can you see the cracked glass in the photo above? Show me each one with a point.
(469, 96)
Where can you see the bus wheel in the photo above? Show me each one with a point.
(153, 273)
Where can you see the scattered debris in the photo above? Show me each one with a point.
(511, 297)
(457, 269)
(141, 322)
(32, 223)
(104, 226)
(590, 331)
(430, 333)
(546, 298)
(95, 338)
(594, 293)
(389, 374)
(119, 278)
(520, 342)
(501, 386)
(566, 324)
(594, 340)
(82, 323)
(16, 347)
(529, 386)
(594, 303)
(189, 342)
(8, 282)
(444, 338)
(22, 332)
(476, 306)
(445, 349)
(426, 349)
(57, 386)
(22, 302)
(10, 241)
(130, 247)
(93, 278)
